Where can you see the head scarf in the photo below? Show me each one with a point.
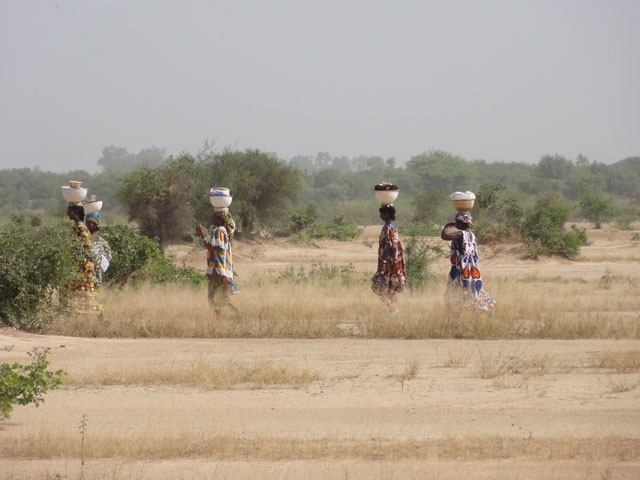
(93, 217)
(227, 219)
(465, 217)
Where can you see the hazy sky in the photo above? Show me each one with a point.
(502, 80)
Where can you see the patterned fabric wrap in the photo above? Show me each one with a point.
(220, 261)
(465, 281)
(229, 224)
(393, 278)
(465, 217)
(93, 217)
(79, 296)
(101, 249)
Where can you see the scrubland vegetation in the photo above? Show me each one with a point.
(551, 375)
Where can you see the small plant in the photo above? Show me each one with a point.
(83, 430)
(418, 257)
(410, 370)
(25, 384)
(620, 384)
(635, 237)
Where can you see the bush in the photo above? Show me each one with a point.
(596, 207)
(25, 384)
(137, 259)
(131, 251)
(303, 225)
(497, 217)
(34, 263)
(544, 232)
(162, 270)
(418, 257)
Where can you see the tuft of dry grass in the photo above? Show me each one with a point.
(620, 384)
(46, 444)
(454, 360)
(618, 362)
(410, 370)
(201, 373)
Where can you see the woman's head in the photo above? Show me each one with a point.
(93, 222)
(387, 212)
(76, 213)
(464, 220)
(224, 218)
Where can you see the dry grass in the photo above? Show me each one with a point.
(321, 307)
(201, 373)
(620, 383)
(618, 362)
(458, 359)
(410, 370)
(156, 445)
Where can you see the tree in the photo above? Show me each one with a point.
(440, 170)
(159, 199)
(596, 206)
(261, 186)
(554, 166)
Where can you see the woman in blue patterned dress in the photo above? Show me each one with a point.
(464, 285)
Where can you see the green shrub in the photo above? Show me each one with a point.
(303, 225)
(624, 222)
(418, 257)
(596, 206)
(137, 259)
(497, 216)
(161, 270)
(544, 232)
(25, 384)
(317, 273)
(131, 252)
(34, 263)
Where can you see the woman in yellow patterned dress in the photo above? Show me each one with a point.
(79, 295)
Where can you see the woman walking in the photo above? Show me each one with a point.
(79, 295)
(464, 285)
(102, 252)
(390, 278)
(220, 261)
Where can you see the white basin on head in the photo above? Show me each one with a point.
(92, 207)
(220, 202)
(386, 196)
(74, 195)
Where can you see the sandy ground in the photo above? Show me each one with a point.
(359, 396)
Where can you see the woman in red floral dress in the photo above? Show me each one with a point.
(391, 277)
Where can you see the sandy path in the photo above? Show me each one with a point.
(359, 394)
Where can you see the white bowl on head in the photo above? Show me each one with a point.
(74, 195)
(219, 201)
(386, 196)
(92, 207)
(74, 183)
